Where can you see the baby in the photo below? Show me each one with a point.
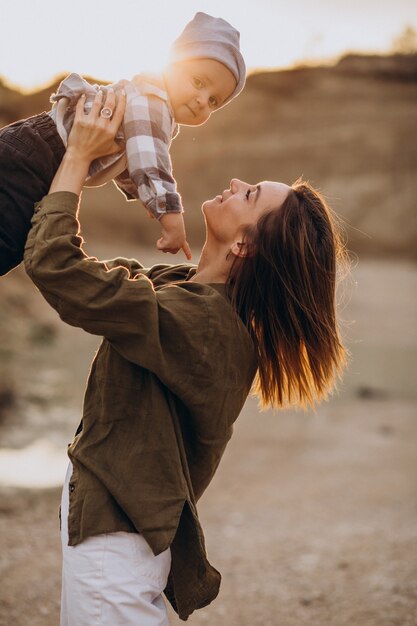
(205, 72)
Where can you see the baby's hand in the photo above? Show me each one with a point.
(173, 235)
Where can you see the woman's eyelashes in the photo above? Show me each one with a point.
(197, 82)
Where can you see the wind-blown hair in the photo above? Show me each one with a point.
(284, 290)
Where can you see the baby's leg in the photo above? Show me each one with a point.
(30, 153)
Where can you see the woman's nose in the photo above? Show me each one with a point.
(236, 184)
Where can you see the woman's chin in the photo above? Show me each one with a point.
(208, 204)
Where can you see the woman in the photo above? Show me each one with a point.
(182, 346)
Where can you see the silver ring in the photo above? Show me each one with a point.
(106, 112)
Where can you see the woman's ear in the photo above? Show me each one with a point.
(239, 249)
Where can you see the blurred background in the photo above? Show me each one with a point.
(312, 516)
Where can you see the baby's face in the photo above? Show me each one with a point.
(196, 88)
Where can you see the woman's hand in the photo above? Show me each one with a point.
(92, 136)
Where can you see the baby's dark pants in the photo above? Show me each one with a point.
(30, 153)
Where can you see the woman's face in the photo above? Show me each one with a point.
(228, 214)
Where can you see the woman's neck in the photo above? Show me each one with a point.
(213, 266)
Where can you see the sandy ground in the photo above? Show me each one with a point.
(311, 518)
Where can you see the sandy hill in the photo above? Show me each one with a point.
(351, 129)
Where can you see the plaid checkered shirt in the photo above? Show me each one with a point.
(143, 170)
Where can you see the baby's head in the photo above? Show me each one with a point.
(206, 69)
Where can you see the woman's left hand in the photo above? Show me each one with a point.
(92, 135)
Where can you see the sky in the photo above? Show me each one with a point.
(117, 39)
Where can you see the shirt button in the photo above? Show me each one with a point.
(162, 204)
(72, 487)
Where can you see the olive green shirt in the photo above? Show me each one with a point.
(169, 379)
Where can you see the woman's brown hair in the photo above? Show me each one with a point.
(284, 290)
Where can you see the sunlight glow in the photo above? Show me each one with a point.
(113, 41)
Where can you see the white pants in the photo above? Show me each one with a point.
(112, 579)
